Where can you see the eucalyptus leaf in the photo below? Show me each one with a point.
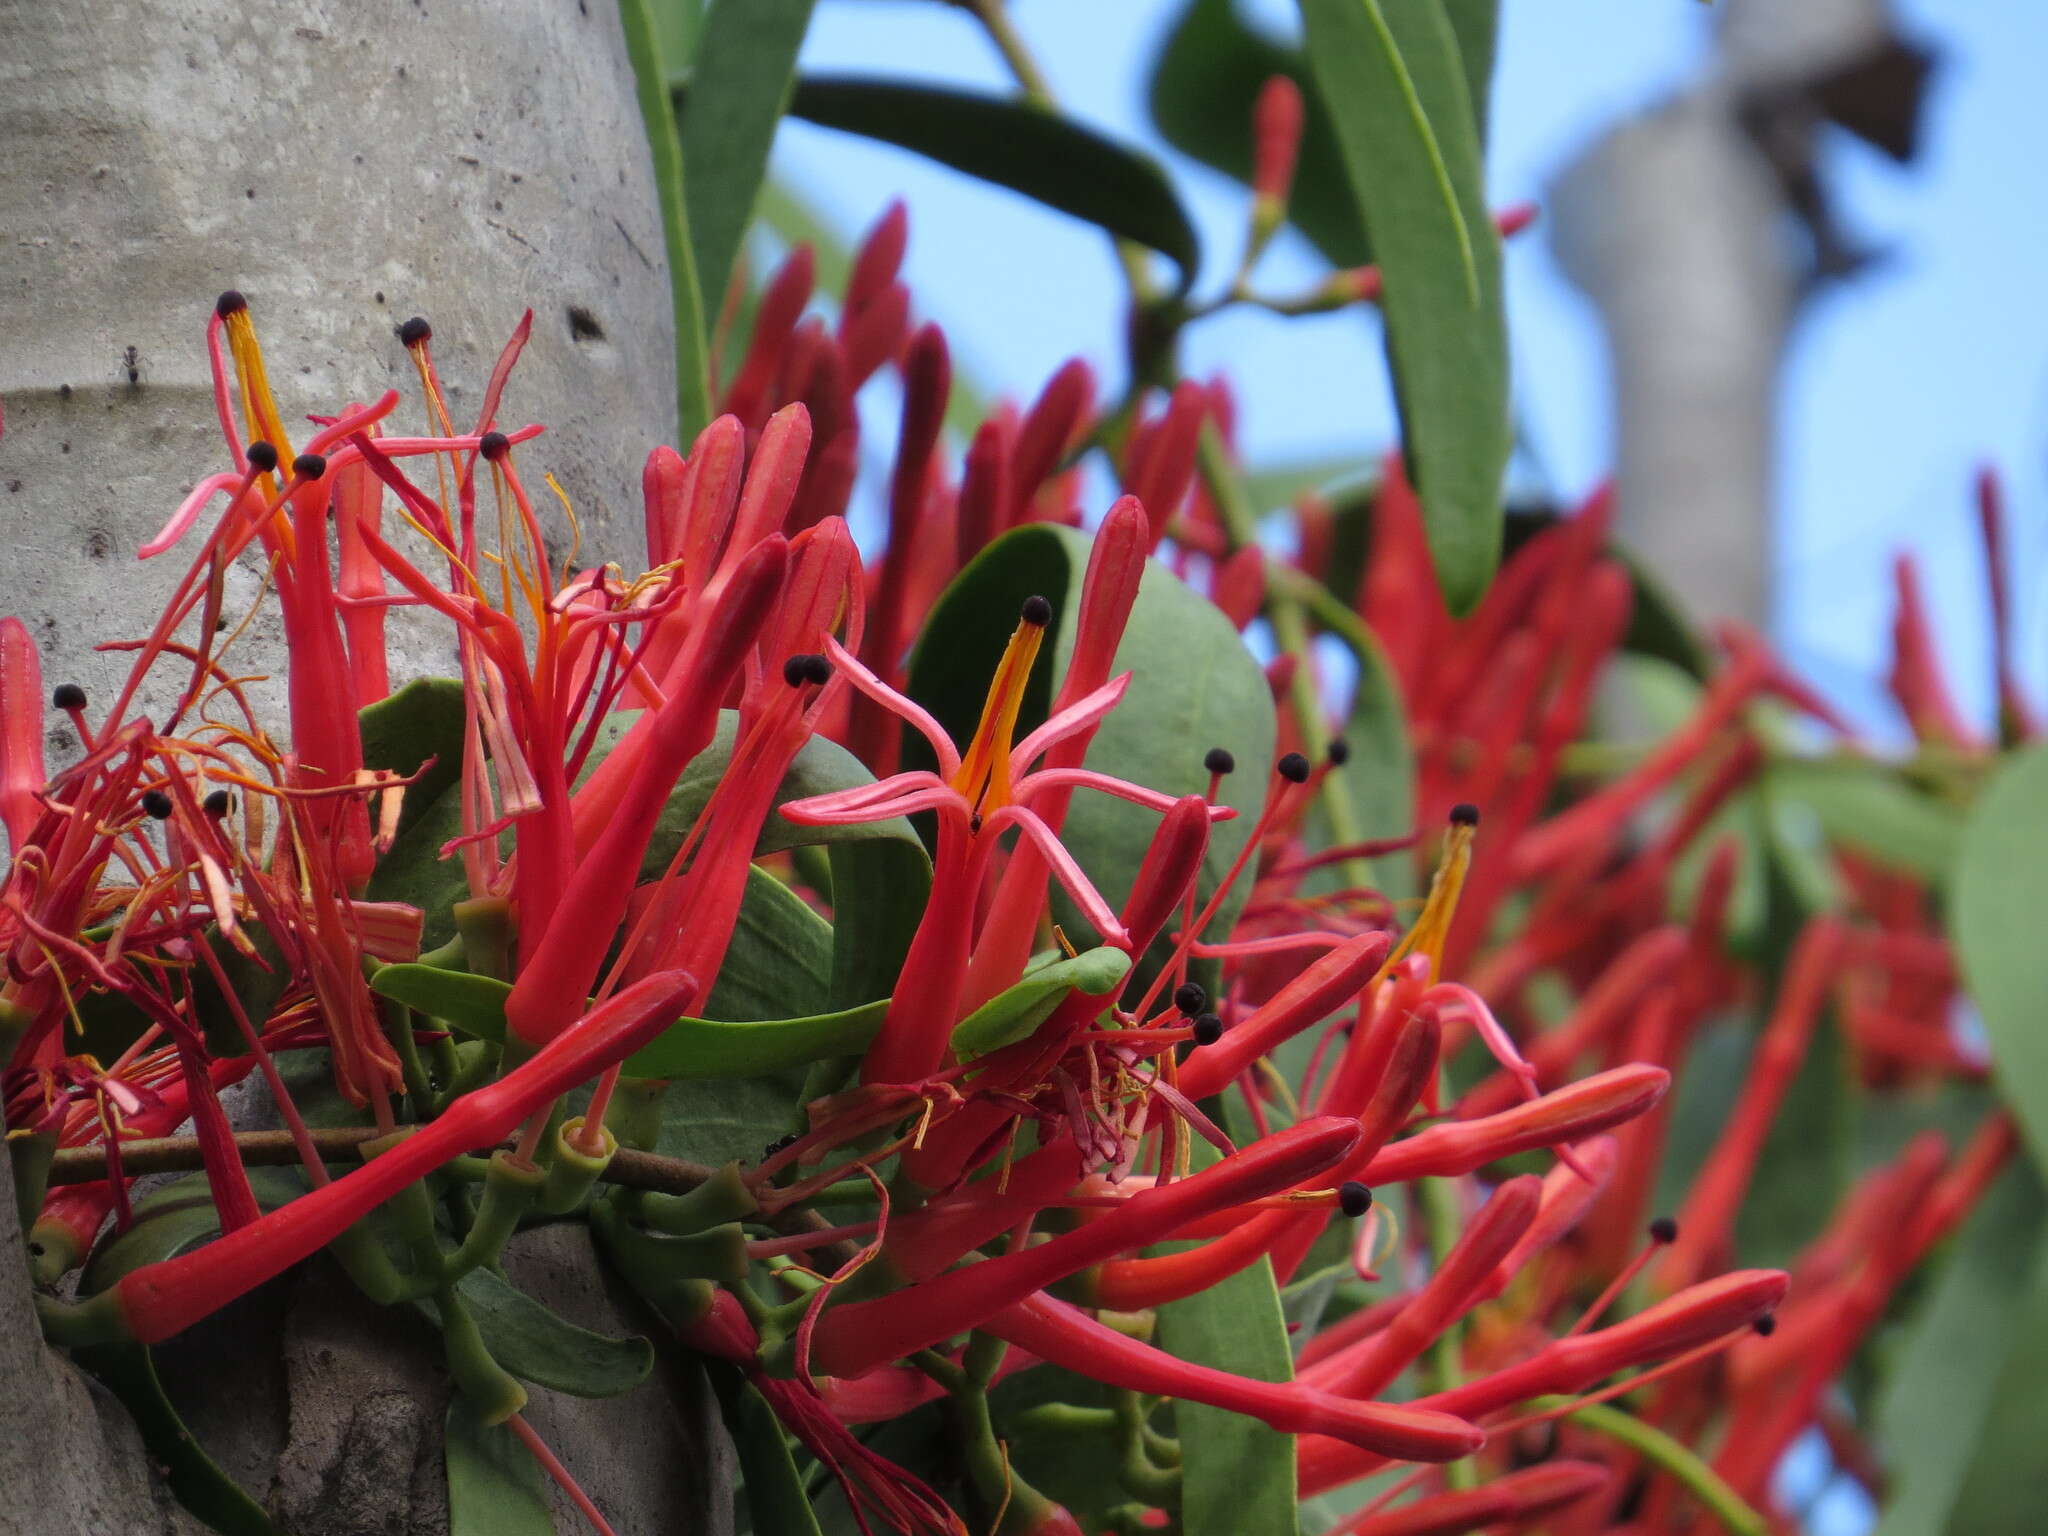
(1013, 143)
(1211, 67)
(744, 63)
(2001, 890)
(1865, 806)
(1394, 82)
(421, 723)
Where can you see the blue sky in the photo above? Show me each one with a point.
(1898, 384)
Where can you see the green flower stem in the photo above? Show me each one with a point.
(722, 1197)
(1285, 612)
(397, 1021)
(1063, 1419)
(574, 1172)
(510, 1190)
(32, 1156)
(1670, 1456)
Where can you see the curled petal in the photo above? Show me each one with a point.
(1070, 874)
(1078, 716)
(903, 708)
(1123, 789)
(181, 521)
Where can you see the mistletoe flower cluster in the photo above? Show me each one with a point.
(1062, 1105)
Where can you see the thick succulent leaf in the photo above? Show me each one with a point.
(494, 1484)
(422, 721)
(777, 1503)
(1193, 686)
(1005, 140)
(745, 61)
(537, 1344)
(1013, 1014)
(2001, 890)
(1238, 1475)
(695, 1049)
(1394, 83)
(1932, 1416)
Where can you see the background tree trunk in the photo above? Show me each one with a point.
(346, 165)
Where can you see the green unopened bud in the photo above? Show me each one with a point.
(575, 1169)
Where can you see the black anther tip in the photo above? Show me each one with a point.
(310, 466)
(1464, 814)
(68, 696)
(1293, 767)
(494, 446)
(1353, 1198)
(1208, 1029)
(1189, 998)
(262, 456)
(156, 803)
(1219, 760)
(415, 331)
(1036, 612)
(230, 303)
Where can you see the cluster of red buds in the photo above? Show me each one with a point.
(1445, 1117)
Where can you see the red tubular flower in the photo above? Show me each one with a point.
(775, 318)
(1570, 1114)
(1277, 118)
(1714, 1309)
(1708, 1215)
(1163, 465)
(1319, 991)
(21, 733)
(1045, 434)
(1503, 1503)
(558, 974)
(1070, 1338)
(855, 1337)
(920, 1243)
(1459, 1284)
(161, 1299)
(984, 487)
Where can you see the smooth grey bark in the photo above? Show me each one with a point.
(1683, 225)
(345, 164)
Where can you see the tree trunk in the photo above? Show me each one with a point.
(346, 164)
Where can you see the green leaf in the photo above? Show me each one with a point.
(657, 115)
(1238, 1475)
(1013, 1014)
(1379, 773)
(1865, 806)
(2001, 890)
(494, 1485)
(1395, 86)
(1193, 686)
(2008, 1466)
(1012, 143)
(422, 720)
(779, 963)
(128, 1371)
(879, 887)
(171, 1220)
(705, 1049)
(535, 1343)
(1204, 83)
(776, 1499)
(745, 61)
(414, 870)
(1931, 1418)
(1476, 24)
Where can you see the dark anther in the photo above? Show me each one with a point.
(1037, 611)
(230, 303)
(1464, 814)
(1340, 752)
(218, 803)
(817, 669)
(974, 825)
(1208, 1029)
(310, 466)
(494, 446)
(1189, 998)
(263, 456)
(1663, 1230)
(1293, 768)
(1766, 1325)
(415, 331)
(68, 696)
(1353, 1198)
(794, 672)
(157, 803)
(1219, 760)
